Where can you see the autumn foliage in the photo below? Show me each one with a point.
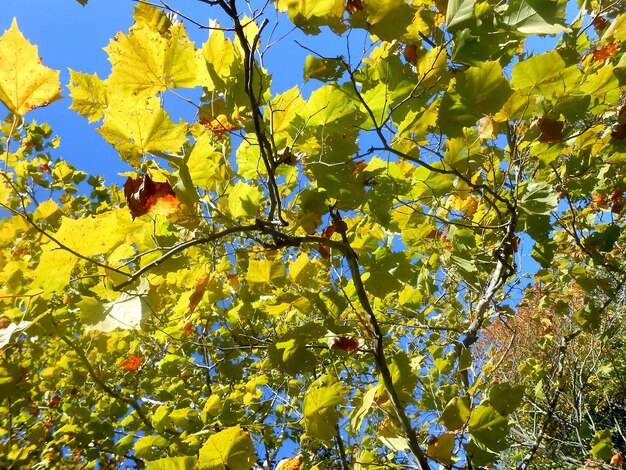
(313, 238)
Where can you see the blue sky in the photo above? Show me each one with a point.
(71, 36)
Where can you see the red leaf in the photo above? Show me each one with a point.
(328, 231)
(605, 51)
(44, 168)
(599, 23)
(359, 167)
(188, 329)
(347, 344)
(410, 53)
(142, 194)
(324, 252)
(131, 363)
(54, 402)
(551, 130)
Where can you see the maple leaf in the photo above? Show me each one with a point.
(144, 195)
(25, 83)
(188, 329)
(132, 362)
(345, 343)
(617, 459)
(604, 52)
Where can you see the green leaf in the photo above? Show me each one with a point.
(290, 353)
(546, 74)
(538, 198)
(604, 238)
(228, 449)
(358, 414)
(536, 16)
(602, 445)
(403, 377)
(244, 200)
(456, 413)
(325, 70)
(206, 164)
(328, 104)
(320, 408)
(504, 398)
(149, 447)
(455, 114)
(460, 14)
(484, 87)
(544, 252)
(488, 428)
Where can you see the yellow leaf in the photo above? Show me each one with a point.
(25, 83)
(88, 93)
(5, 191)
(54, 269)
(137, 128)
(263, 271)
(206, 164)
(441, 447)
(244, 200)
(144, 62)
(47, 210)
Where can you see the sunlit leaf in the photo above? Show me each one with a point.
(230, 448)
(25, 83)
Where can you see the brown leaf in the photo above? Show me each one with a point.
(619, 132)
(410, 53)
(617, 459)
(198, 293)
(144, 195)
(54, 401)
(346, 344)
(551, 129)
(599, 23)
(352, 6)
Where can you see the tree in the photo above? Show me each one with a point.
(572, 412)
(292, 274)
